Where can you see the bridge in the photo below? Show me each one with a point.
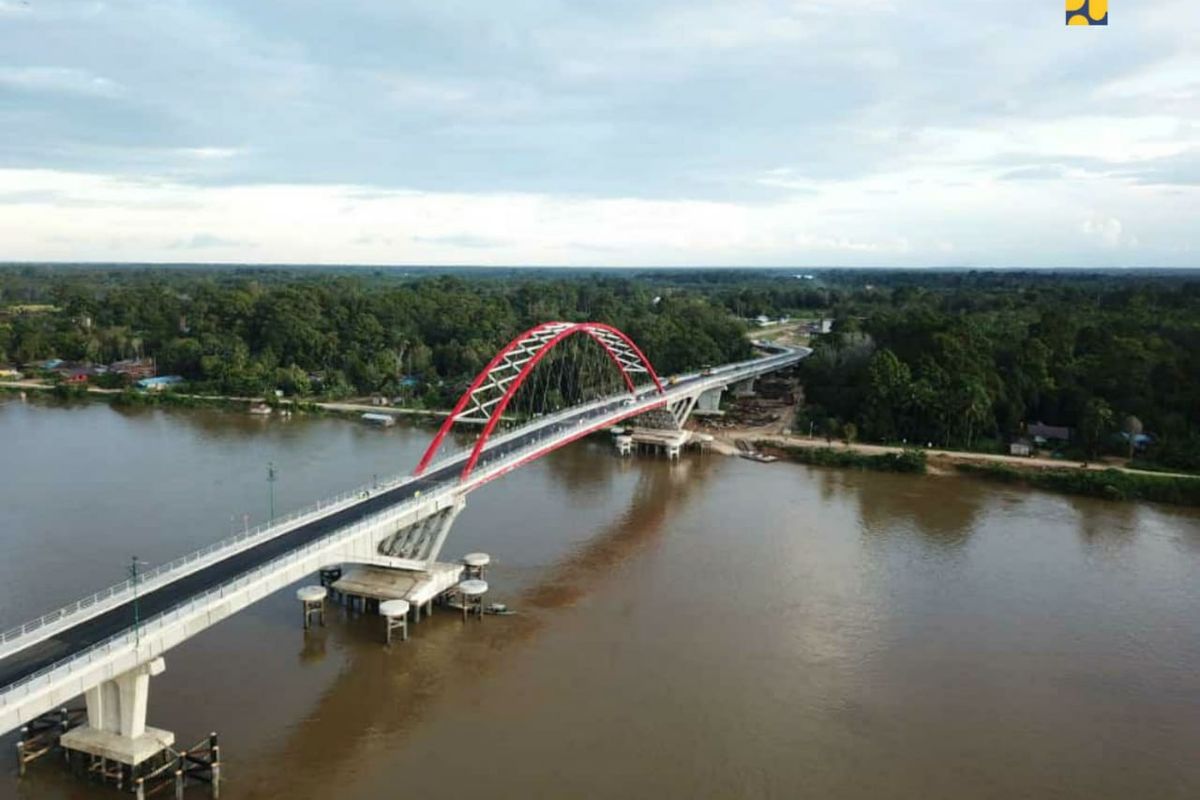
(107, 646)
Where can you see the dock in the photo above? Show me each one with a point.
(668, 441)
(380, 584)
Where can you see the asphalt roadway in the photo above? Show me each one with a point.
(97, 629)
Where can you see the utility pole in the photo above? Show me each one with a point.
(271, 485)
(135, 578)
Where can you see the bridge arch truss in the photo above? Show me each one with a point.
(486, 399)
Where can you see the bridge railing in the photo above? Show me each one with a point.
(158, 575)
(128, 638)
(536, 424)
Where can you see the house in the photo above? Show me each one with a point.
(1042, 433)
(821, 326)
(159, 383)
(48, 364)
(134, 369)
(76, 377)
(1020, 447)
(9, 372)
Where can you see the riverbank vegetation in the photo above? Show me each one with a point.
(1109, 484)
(911, 461)
(956, 359)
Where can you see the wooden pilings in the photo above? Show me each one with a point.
(169, 769)
(42, 735)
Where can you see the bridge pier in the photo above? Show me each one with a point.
(745, 388)
(116, 727)
(709, 402)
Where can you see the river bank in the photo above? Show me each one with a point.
(1102, 480)
(180, 399)
(1105, 481)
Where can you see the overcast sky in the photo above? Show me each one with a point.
(622, 132)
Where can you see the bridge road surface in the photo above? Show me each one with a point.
(36, 657)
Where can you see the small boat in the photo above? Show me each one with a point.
(761, 458)
(260, 410)
(381, 420)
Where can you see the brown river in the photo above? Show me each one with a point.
(714, 628)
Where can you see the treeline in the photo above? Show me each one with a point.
(972, 363)
(243, 332)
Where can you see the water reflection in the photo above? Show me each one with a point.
(382, 694)
(945, 510)
(1103, 525)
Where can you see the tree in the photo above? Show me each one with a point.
(889, 394)
(1095, 421)
(849, 432)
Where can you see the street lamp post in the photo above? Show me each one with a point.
(135, 578)
(271, 476)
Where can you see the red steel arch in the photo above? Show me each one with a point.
(493, 388)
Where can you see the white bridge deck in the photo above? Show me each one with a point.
(50, 660)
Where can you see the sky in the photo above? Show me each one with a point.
(600, 132)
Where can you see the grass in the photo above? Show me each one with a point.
(1109, 484)
(912, 461)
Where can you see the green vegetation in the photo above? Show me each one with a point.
(1109, 484)
(336, 333)
(906, 461)
(964, 360)
(969, 360)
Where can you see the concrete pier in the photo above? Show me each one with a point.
(395, 617)
(418, 587)
(668, 441)
(116, 719)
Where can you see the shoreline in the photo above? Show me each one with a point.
(943, 461)
(1103, 481)
(337, 407)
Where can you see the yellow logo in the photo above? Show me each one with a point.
(1087, 12)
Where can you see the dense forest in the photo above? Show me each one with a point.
(243, 332)
(970, 360)
(954, 358)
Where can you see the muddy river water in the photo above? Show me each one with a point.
(713, 628)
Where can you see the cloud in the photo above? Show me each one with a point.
(1108, 230)
(203, 241)
(463, 240)
(908, 218)
(58, 79)
(665, 131)
(1038, 173)
(211, 153)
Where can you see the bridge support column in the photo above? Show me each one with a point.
(744, 389)
(709, 402)
(116, 719)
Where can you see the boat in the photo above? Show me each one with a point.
(381, 420)
(260, 410)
